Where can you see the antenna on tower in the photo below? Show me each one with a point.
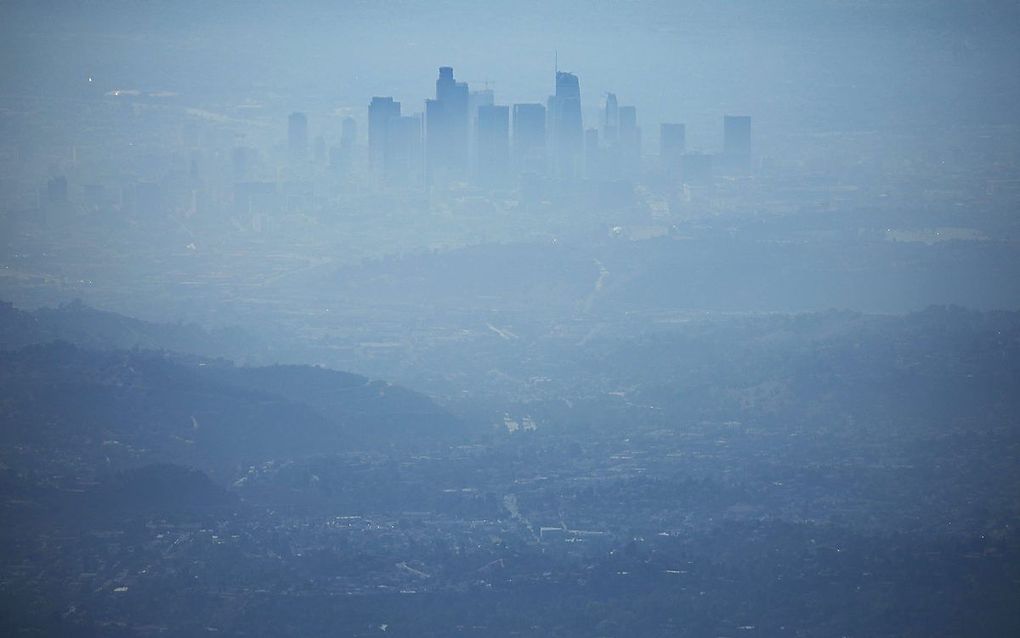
(556, 60)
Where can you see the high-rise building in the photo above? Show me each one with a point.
(445, 83)
(402, 154)
(435, 133)
(672, 145)
(629, 142)
(476, 99)
(380, 112)
(492, 137)
(610, 119)
(737, 143)
(565, 125)
(483, 97)
(628, 119)
(446, 127)
(297, 136)
(529, 138)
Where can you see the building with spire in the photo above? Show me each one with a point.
(566, 128)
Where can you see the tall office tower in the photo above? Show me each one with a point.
(629, 142)
(435, 134)
(446, 127)
(529, 138)
(484, 97)
(737, 143)
(672, 144)
(628, 120)
(380, 111)
(445, 83)
(458, 119)
(492, 137)
(610, 119)
(476, 99)
(297, 136)
(566, 127)
(402, 153)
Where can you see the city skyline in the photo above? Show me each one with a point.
(459, 319)
(452, 139)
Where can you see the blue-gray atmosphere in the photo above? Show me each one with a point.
(526, 319)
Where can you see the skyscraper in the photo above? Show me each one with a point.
(628, 119)
(610, 119)
(402, 153)
(566, 126)
(476, 99)
(446, 127)
(380, 111)
(629, 142)
(493, 143)
(297, 136)
(529, 138)
(484, 97)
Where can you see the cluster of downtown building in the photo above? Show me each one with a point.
(464, 136)
(460, 138)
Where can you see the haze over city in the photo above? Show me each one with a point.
(510, 319)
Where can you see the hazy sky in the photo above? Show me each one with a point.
(793, 64)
